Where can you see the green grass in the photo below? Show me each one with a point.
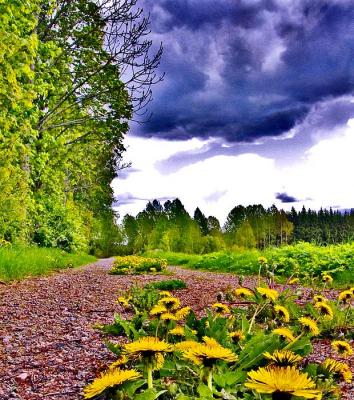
(304, 259)
(20, 262)
(170, 284)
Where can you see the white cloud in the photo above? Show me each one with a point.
(323, 177)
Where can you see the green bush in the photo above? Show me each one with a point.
(171, 284)
(137, 265)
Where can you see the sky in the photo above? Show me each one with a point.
(256, 106)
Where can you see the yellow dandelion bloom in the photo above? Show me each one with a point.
(282, 312)
(345, 296)
(123, 301)
(342, 347)
(243, 292)
(294, 281)
(262, 260)
(285, 334)
(318, 298)
(339, 368)
(167, 316)
(183, 312)
(157, 310)
(236, 336)
(283, 382)
(210, 341)
(177, 331)
(324, 309)
(270, 294)
(165, 293)
(208, 353)
(108, 380)
(309, 325)
(149, 349)
(147, 344)
(171, 303)
(186, 345)
(120, 361)
(220, 308)
(346, 373)
(326, 278)
(282, 358)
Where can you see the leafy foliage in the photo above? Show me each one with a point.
(64, 111)
(170, 284)
(303, 260)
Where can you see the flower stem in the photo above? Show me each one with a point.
(149, 374)
(210, 379)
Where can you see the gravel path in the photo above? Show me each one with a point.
(49, 349)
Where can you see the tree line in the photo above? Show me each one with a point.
(169, 227)
(72, 73)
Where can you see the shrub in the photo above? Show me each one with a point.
(137, 265)
(171, 284)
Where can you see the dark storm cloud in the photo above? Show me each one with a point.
(320, 123)
(242, 70)
(285, 198)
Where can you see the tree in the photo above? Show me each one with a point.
(245, 236)
(72, 73)
(202, 221)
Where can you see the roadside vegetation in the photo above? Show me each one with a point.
(305, 261)
(18, 262)
(252, 343)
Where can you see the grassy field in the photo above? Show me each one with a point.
(304, 260)
(20, 262)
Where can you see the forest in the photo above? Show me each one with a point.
(65, 107)
(169, 227)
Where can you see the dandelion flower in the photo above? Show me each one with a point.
(267, 293)
(157, 310)
(338, 368)
(283, 383)
(149, 349)
(185, 345)
(177, 331)
(167, 316)
(183, 312)
(236, 336)
(294, 281)
(285, 334)
(262, 260)
(120, 361)
(165, 293)
(221, 308)
(324, 309)
(326, 278)
(243, 292)
(319, 299)
(171, 303)
(108, 380)
(282, 312)
(345, 296)
(123, 301)
(309, 325)
(283, 358)
(342, 347)
(208, 353)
